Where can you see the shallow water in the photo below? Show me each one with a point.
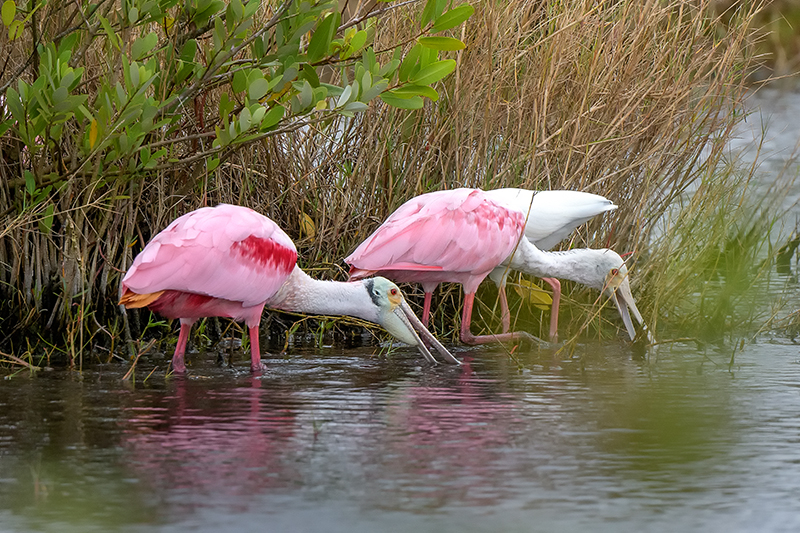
(347, 441)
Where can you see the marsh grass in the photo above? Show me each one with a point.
(634, 100)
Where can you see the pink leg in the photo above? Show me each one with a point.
(255, 351)
(468, 338)
(466, 318)
(556, 285)
(178, 364)
(426, 309)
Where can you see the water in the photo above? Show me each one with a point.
(347, 441)
(769, 138)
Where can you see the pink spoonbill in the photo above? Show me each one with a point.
(462, 235)
(231, 261)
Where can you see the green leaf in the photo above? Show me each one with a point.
(409, 62)
(323, 35)
(366, 80)
(453, 18)
(30, 182)
(15, 104)
(434, 72)
(9, 10)
(122, 96)
(355, 107)
(85, 112)
(428, 13)
(258, 88)
(144, 45)
(218, 34)
(369, 60)
(245, 119)
(272, 117)
(311, 75)
(225, 107)
(388, 69)
(258, 114)
(356, 43)
(183, 72)
(189, 50)
(157, 156)
(306, 95)
(110, 33)
(345, 96)
(426, 57)
(212, 164)
(15, 30)
(239, 82)
(409, 91)
(374, 91)
(237, 10)
(46, 223)
(60, 95)
(320, 94)
(441, 43)
(415, 102)
(134, 72)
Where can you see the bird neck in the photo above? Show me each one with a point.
(579, 265)
(303, 294)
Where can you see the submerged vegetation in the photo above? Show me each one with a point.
(119, 116)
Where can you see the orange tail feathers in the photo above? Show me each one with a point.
(133, 300)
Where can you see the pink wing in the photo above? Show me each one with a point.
(227, 252)
(458, 231)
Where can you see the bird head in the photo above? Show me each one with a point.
(618, 289)
(397, 318)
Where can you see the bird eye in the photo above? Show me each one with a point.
(394, 292)
(614, 271)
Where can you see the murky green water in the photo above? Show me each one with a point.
(344, 441)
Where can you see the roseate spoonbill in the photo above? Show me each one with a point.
(231, 261)
(550, 216)
(462, 235)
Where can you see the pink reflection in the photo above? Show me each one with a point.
(203, 440)
(451, 443)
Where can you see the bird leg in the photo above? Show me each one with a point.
(178, 364)
(506, 314)
(556, 285)
(468, 338)
(426, 308)
(256, 366)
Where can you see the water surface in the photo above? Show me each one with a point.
(348, 441)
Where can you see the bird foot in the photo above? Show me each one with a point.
(514, 336)
(258, 368)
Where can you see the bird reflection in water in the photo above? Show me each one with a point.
(201, 440)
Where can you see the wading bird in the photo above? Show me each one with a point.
(231, 261)
(462, 235)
